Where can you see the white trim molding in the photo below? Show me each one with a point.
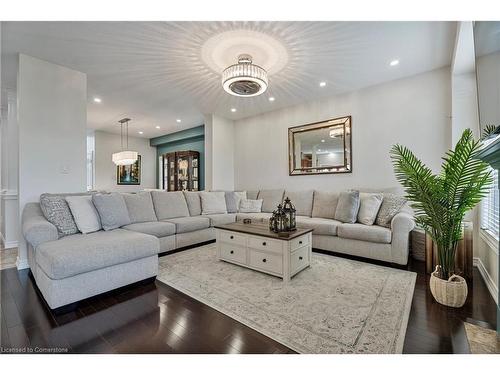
(22, 263)
(493, 289)
(7, 244)
(490, 240)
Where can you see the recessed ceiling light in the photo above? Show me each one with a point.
(271, 98)
(157, 127)
(141, 132)
(178, 120)
(322, 84)
(323, 140)
(319, 149)
(233, 109)
(394, 62)
(97, 100)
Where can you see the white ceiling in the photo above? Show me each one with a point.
(157, 72)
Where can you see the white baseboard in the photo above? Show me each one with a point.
(8, 244)
(22, 264)
(486, 277)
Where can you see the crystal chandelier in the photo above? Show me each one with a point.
(124, 157)
(244, 79)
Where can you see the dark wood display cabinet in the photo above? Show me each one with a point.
(181, 171)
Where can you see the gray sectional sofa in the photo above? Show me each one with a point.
(78, 266)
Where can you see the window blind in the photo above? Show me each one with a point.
(489, 208)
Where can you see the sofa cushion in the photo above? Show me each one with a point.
(252, 194)
(169, 204)
(302, 200)
(320, 225)
(369, 204)
(233, 199)
(140, 207)
(391, 205)
(325, 204)
(193, 202)
(80, 253)
(256, 217)
(57, 212)
(190, 223)
(84, 213)
(221, 219)
(213, 202)
(371, 233)
(271, 199)
(347, 206)
(154, 228)
(112, 210)
(250, 205)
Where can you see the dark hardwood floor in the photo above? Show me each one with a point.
(154, 318)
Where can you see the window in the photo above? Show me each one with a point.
(489, 209)
(90, 161)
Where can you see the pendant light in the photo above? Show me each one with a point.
(125, 156)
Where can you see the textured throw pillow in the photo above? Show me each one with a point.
(233, 199)
(56, 211)
(84, 212)
(140, 207)
(213, 202)
(369, 204)
(112, 210)
(251, 205)
(391, 205)
(347, 206)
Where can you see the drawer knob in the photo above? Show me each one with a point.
(231, 237)
(231, 252)
(300, 242)
(300, 258)
(264, 260)
(263, 244)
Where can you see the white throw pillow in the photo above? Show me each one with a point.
(368, 208)
(251, 205)
(84, 212)
(213, 202)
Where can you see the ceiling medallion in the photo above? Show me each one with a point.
(245, 78)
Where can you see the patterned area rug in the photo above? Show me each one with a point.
(335, 306)
(482, 340)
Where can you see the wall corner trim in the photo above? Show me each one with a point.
(493, 289)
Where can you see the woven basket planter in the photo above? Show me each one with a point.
(451, 292)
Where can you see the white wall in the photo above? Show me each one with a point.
(105, 170)
(52, 119)
(413, 111)
(219, 153)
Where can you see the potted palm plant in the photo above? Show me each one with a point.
(440, 203)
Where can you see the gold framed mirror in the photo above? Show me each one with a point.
(320, 148)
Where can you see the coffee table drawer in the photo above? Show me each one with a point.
(265, 244)
(299, 259)
(233, 253)
(266, 262)
(233, 238)
(299, 242)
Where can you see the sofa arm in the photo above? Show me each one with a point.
(401, 225)
(36, 229)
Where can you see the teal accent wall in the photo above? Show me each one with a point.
(185, 140)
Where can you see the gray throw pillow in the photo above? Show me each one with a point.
(84, 212)
(233, 199)
(112, 210)
(391, 205)
(347, 206)
(56, 211)
(369, 204)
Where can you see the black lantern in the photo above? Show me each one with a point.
(283, 218)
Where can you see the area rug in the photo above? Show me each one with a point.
(482, 340)
(335, 306)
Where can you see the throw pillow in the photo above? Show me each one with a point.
(347, 206)
(213, 202)
(140, 207)
(233, 199)
(251, 205)
(56, 211)
(369, 204)
(391, 205)
(112, 210)
(84, 212)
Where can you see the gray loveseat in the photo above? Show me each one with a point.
(75, 267)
